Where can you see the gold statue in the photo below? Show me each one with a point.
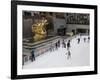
(39, 29)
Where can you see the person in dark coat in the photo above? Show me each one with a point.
(78, 40)
(56, 45)
(88, 39)
(33, 56)
(59, 43)
(68, 45)
(68, 53)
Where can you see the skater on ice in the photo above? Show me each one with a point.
(84, 39)
(33, 56)
(78, 40)
(63, 44)
(68, 54)
(56, 45)
(88, 38)
(68, 45)
(68, 49)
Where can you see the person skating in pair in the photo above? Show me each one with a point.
(68, 49)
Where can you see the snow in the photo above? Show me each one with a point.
(79, 56)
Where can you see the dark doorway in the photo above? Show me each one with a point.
(61, 32)
(81, 31)
(73, 31)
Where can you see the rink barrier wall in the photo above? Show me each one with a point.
(39, 48)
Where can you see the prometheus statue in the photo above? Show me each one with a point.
(39, 29)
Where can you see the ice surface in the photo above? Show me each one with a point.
(80, 56)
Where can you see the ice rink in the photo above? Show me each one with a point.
(80, 56)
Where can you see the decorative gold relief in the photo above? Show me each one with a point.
(39, 29)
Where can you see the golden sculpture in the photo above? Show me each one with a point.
(39, 29)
